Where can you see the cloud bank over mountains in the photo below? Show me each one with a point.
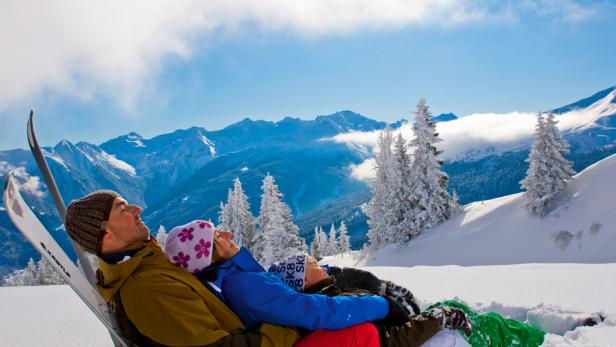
(117, 49)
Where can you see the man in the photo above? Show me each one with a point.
(157, 303)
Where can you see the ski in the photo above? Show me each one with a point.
(33, 230)
(55, 194)
(103, 313)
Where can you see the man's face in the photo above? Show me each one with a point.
(125, 223)
(314, 273)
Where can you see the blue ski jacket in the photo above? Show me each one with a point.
(259, 297)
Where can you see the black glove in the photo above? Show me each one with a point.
(403, 296)
(451, 318)
(397, 314)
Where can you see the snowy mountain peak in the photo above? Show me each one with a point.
(64, 145)
(583, 103)
(444, 117)
(133, 136)
(348, 120)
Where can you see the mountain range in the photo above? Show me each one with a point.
(185, 174)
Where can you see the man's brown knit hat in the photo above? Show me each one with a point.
(85, 219)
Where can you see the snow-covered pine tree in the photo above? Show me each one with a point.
(315, 249)
(47, 274)
(345, 244)
(332, 242)
(533, 183)
(224, 213)
(241, 222)
(429, 182)
(32, 268)
(277, 236)
(36, 273)
(295, 243)
(380, 187)
(23, 277)
(561, 168)
(324, 242)
(548, 170)
(402, 207)
(456, 203)
(161, 236)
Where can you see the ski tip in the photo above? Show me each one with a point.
(30, 118)
(30, 131)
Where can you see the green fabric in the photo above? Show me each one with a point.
(491, 329)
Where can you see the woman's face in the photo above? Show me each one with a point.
(314, 273)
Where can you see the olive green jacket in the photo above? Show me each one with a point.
(171, 307)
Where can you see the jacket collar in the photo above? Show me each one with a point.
(115, 268)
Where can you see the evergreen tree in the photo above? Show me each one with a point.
(47, 274)
(277, 236)
(430, 197)
(402, 207)
(380, 187)
(224, 214)
(161, 236)
(332, 242)
(235, 216)
(324, 242)
(345, 244)
(316, 250)
(548, 170)
(33, 270)
(242, 223)
(456, 203)
(35, 274)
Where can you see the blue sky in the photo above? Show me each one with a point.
(96, 72)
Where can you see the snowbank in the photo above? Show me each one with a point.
(580, 229)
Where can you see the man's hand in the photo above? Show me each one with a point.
(224, 247)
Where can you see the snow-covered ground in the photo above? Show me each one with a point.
(553, 296)
(48, 316)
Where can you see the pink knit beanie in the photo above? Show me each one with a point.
(190, 246)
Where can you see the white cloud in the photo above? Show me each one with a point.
(561, 10)
(116, 48)
(363, 171)
(25, 182)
